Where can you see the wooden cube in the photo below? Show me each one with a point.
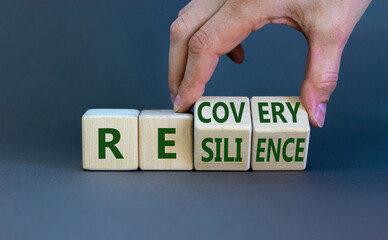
(165, 140)
(110, 139)
(222, 133)
(281, 133)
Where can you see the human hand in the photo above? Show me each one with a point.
(208, 29)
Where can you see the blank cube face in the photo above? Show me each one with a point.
(222, 132)
(281, 133)
(165, 140)
(110, 139)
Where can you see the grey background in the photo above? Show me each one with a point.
(59, 58)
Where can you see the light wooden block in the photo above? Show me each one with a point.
(222, 133)
(110, 139)
(165, 140)
(281, 133)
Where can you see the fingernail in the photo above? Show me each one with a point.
(172, 96)
(320, 113)
(177, 102)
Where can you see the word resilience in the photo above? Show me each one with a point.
(225, 134)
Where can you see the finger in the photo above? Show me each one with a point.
(237, 54)
(220, 35)
(187, 7)
(181, 31)
(320, 80)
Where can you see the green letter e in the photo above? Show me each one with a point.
(163, 143)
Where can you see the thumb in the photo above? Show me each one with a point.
(323, 62)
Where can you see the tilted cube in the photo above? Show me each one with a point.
(281, 133)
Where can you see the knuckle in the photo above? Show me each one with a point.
(327, 82)
(185, 8)
(199, 42)
(180, 13)
(178, 29)
(240, 7)
(336, 34)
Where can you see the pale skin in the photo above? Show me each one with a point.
(207, 29)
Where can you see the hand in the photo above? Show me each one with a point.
(208, 29)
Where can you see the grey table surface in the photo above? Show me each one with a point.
(59, 58)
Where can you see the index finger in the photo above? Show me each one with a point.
(222, 33)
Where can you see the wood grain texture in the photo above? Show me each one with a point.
(125, 121)
(155, 142)
(281, 132)
(222, 133)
